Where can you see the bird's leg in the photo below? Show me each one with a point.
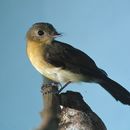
(55, 84)
(64, 86)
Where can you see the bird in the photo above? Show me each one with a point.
(63, 63)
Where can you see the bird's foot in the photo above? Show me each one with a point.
(53, 84)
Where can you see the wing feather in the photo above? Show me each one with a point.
(69, 58)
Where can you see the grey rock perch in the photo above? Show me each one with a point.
(67, 111)
(76, 114)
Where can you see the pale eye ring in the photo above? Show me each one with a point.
(40, 32)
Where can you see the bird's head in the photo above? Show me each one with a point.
(42, 32)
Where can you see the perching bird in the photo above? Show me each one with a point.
(63, 63)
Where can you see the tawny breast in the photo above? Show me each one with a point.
(35, 52)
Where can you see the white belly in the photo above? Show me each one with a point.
(57, 74)
(66, 76)
(60, 75)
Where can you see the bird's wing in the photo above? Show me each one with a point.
(69, 58)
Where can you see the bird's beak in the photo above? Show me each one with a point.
(57, 35)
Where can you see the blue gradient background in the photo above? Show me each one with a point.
(101, 28)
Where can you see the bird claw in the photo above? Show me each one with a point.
(53, 84)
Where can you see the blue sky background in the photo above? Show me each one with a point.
(101, 28)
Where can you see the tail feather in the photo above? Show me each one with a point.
(116, 90)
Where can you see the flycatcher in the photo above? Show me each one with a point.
(63, 63)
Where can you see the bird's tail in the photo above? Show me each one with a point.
(116, 90)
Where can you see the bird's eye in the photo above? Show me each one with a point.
(40, 32)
